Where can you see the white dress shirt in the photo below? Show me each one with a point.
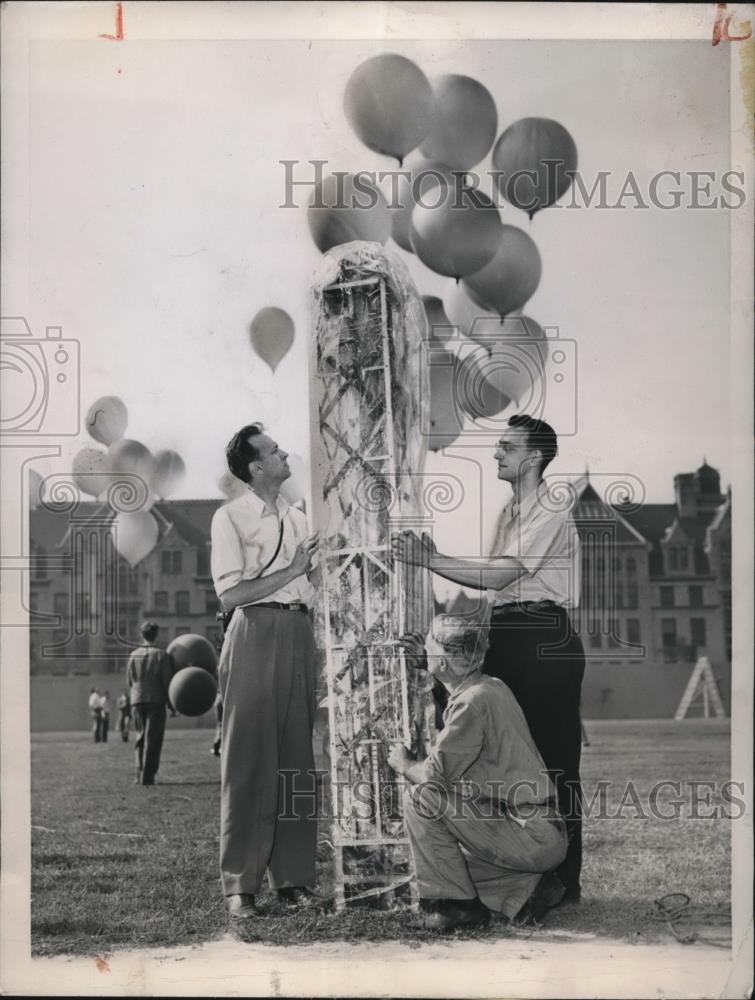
(244, 536)
(546, 543)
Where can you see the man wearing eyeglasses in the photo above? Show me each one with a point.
(532, 579)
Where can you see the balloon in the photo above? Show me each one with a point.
(192, 691)
(191, 650)
(445, 418)
(294, 488)
(90, 470)
(458, 236)
(511, 277)
(466, 314)
(424, 176)
(272, 334)
(476, 393)
(126, 459)
(169, 472)
(516, 362)
(35, 489)
(390, 104)
(334, 215)
(526, 146)
(231, 487)
(441, 327)
(107, 419)
(135, 534)
(465, 122)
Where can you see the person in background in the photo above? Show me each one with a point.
(96, 713)
(149, 674)
(480, 811)
(124, 715)
(105, 713)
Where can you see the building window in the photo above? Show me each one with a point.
(161, 601)
(696, 597)
(39, 563)
(210, 602)
(683, 559)
(203, 561)
(667, 597)
(697, 631)
(182, 602)
(613, 634)
(619, 595)
(631, 566)
(633, 631)
(61, 605)
(668, 638)
(632, 596)
(672, 559)
(171, 563)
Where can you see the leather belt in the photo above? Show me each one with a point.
(294, 606)
(501, 610)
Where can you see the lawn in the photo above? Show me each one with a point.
(118, 865)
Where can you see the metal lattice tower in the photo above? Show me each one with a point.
(367, 448)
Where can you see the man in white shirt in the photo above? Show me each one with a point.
(532, 579)
(96, 713)
(261, 563)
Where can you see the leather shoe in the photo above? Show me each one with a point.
(299, 895)
(451, 914)
(242, 906)
(548, 893)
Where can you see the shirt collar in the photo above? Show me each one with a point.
(527, 505)
(258, 504)
(467, 682)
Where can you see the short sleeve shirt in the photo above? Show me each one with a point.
(244, 538)
(545, 542)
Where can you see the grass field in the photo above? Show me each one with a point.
(119, 865)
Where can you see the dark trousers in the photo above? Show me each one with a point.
(149, 721)
(540, 657)
(97, 725)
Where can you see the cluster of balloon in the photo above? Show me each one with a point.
(144, 477)
(510, 278)
(272, 334)
(193, 688)
(534, 160)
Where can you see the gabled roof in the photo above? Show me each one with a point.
(590, 508)
(191, 519)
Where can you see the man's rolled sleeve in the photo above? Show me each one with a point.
(227, 560)
(458, 746)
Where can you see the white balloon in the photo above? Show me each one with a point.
(295, 487)
(107, 419)
(231, 487)
(135, 535)
(466, 314)
(169, 473)
(90, 470)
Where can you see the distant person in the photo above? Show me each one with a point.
(124, 715)
(149, 673)
(96, 713)
(105, 714)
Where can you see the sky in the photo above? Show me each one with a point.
(156, 235)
